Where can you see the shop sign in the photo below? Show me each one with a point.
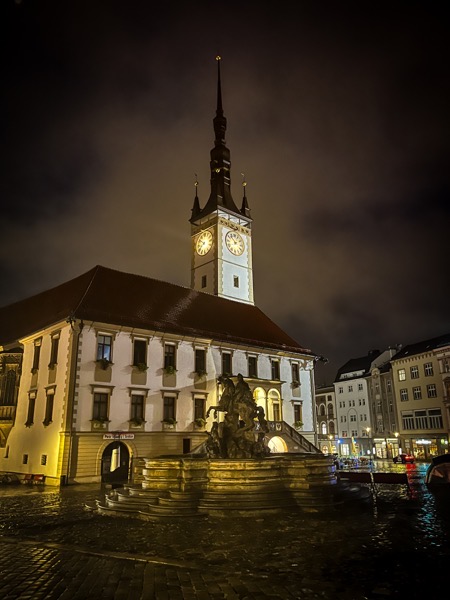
(423, 442)
(118, 436)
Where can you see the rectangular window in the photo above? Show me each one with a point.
(104, 344)
(295, 373)
(100, 408)
(428, 368)
(226, 363)
(404, 395)
(253, 366)
(169, 408)
(408, 421)
(420, 418)
(352, 418)
(417, 393)
(401, 374)
(275, 369)
(200, 361)
(36, 356)
(25, 459)
(276, 411)
(350, 388)
(344, 433)
(236, 281)
(435, 418)
(43, 459)
(203, 281)
(414, 372)
(340, 390)
(139, 353)
(49, 409)
(360, 387)
(170, 356)
(354, 433)
(389, 385)
(199, 408)
(431, 391)
(137, 407)
(298, 412)
(30, 414)
(54, 351)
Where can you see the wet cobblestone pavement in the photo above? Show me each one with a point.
(51, 547)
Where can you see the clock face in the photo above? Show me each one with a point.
(204, 243)
(235, 243)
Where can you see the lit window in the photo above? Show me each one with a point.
(401, 374)
(104, 344)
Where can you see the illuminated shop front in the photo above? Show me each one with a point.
(425, 448)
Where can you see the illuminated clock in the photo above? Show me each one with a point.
(235, 243)
(204, 243)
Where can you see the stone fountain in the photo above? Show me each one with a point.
(232, 473)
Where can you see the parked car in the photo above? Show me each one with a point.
(404, 458)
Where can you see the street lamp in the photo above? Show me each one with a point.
(368, 438)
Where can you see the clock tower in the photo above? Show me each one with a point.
(221, 233)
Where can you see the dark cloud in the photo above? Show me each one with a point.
(337, 113)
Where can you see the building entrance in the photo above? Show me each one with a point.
(115, 463)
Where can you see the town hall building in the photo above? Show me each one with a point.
(111, 367)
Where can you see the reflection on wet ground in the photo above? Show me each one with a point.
(389, 547)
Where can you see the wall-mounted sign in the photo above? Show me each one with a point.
(118, 436)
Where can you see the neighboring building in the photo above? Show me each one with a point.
(442, 353)
(117, 367)
(352, 406)
(422, 402)
(383, 414)
(10, 368)
(327, 439)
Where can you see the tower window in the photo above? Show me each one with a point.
(236, 281)
(203, 281)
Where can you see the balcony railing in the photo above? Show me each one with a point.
(7, 413)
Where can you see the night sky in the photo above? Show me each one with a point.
(338, 114)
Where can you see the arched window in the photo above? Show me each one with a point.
(274, 405)
(324, 428)
(8, 388)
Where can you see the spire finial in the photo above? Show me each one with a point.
(219, 87)
(244, 183)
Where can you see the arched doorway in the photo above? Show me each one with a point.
(277, 444)
(115, 463)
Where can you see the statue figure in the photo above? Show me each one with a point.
(234, 437)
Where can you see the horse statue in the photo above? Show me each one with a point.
(226, 399)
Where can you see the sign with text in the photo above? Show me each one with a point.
(118, 436)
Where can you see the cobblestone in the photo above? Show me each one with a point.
(54, 549)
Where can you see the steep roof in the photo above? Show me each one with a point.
(109, 296)
(357, 365)
(423, 346)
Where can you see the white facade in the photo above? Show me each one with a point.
(67, 443)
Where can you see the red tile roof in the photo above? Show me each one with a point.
(108, 296)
